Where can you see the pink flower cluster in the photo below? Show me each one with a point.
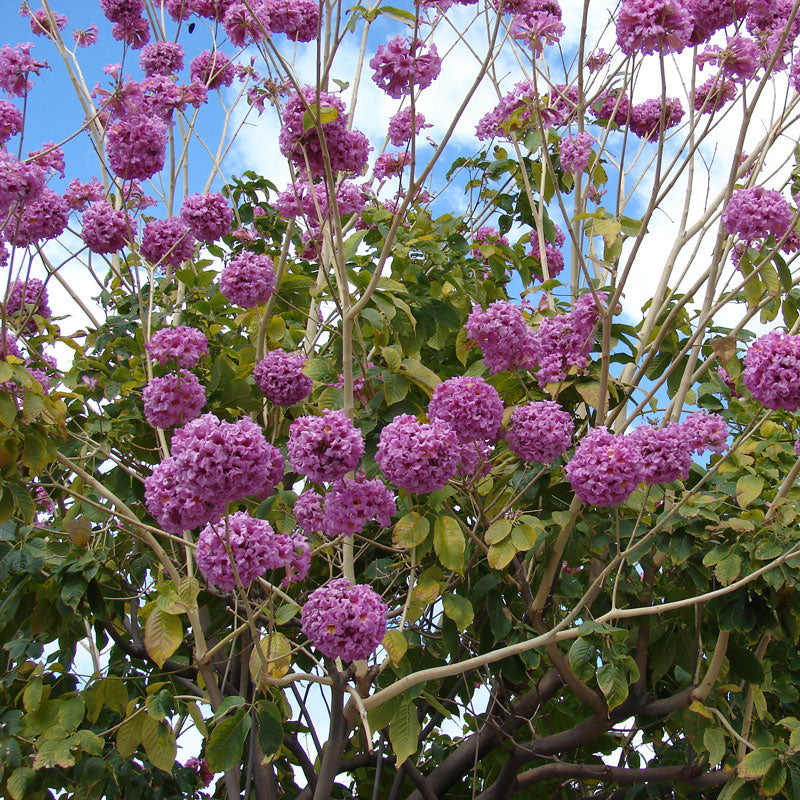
(565, 341)
(503, 335)
(41, 24)
(80, 194)
(540, 431)
(653, 26)
(417, 456)
(575, 151)
(399, 130)
(401, 64)
(755, 212)
(347, 149)
(255, 548)
(772, 370)
(311, 201)
(353, 502)
(605, 468)
(167, 242)
(19, 182)
(209, 216)
(10, 121)
(27, 298)
(470, 406)
(213, 463)
(246, 24)
(48, 156)
(516, 105)
(739, 60)
(210, 9)
(181, 344)
(248, 280)
(324, 448)
(298, 19)
(665, 452)
(308, 512)
(646, 118)
(173, 400)
(705, 431)
(343, 620)
(280, 377)
(105, 229)
(212, 69)
(161, 58)
(554, 256)
(388, 165)
(713, 94)
(16, 67)
(42, 218)
(136, 146)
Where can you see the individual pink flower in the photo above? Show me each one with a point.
(540, 431)
(575, 151)
(353, 502)
(213, 69)
(400, 65)
(772, 371)
(652, 26)
(400, 131)
(605, 468)
(597, 59)
(280, 377)
(86, 37)
(209, 216)
(182, 345)
(173, 400)
(43, 25)
(105, 229)
(255, 549)
(417, 456)
(136, 146)
(324, 448)
(161, 58)
(503, 335)
(756, 212)
(167, 242)
(248, 280)
(470, 406)
(344, 621)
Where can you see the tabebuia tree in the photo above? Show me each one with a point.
(400, 401)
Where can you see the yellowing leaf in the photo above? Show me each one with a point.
(748, 488)
(163, 634)
(159, 743)
(449, 543)
(500, 555)
(275, 654)
(129, 735)
(498, 531)
(395, 645)
(756, 763)
(410, 530)
(459, 609)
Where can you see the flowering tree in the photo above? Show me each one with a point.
(414, 478)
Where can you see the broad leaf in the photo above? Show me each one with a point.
(163, 634)
(404, 731)
(449, 543)
(224, 749)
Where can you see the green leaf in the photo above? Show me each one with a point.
(420, 374)
(728, 568)
(613, 684)
(404, 731)
(32, 696)
(500, 555)
(459, 609)
(745, 664)
(270, 727)
(714, 741)
(24, 501)
(410, 530)
(159, 743)
(380, 716)
(21, 782)
(773, 780)
(163, 634)
(498, 531)
(129, 735)
(583, 658)
(197, 717)
(756, 763)
(286, 612)
(395, 388)
(34, 452)
(71, 713)
(395, 644)
(224, 748)
(523, 536)
(748, 488)
(449, 543)
(794, 738)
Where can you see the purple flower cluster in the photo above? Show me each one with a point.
(352, 502)
(613, 105)
(343, 620)
(564, 341)
(324, 448)
(40, 219)
(246, 23)
(16, 67)
(49, 156)
(739, 60)
(298, 19)
(248, 280)
(646, 118)
(756, 212)
(136, 146)
(173, 400)
(400, 65)
(167, 242)
(554, 256)
(503, 335)
(575, 151)
(80, 194)
(255, 548)
(181, 344)
(105, 229)
(28, 298)
(42, 26)
(666, 452)
(713, 94)
(308, 512)
(10, 121)
(605, 468)
(348, 150)
(518, 102)
(540, 431)
(705, 431)
(212, 68)
(280, 377)
(470, 406)
(709, 16)
(208, 216)
(388, 165)
(213, 463)
(19, 182)
(772, 370)
(311, 201)
(399, 130)
(161, 58)
(650, 26)
(417, 456)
